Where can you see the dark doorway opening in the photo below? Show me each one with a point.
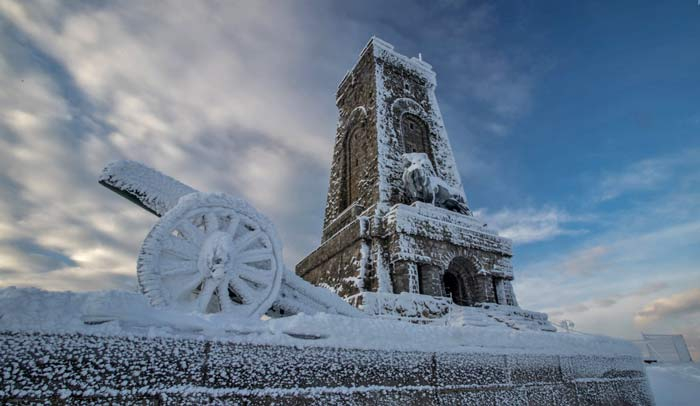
(496, 299)
(454, 287)
(466, 286)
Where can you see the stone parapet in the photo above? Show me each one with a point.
(87, 369)
(346, 217)
(436, 224)
(405, 305)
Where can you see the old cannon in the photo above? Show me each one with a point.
(211, 252)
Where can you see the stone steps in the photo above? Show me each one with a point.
(491, 315)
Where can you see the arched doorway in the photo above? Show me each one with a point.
(454, 288)
(462, 282)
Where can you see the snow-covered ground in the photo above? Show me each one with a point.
(675, 384)
(113, 314)
(128, 313)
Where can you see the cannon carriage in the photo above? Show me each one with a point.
(212, 252)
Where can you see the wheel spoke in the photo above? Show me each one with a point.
(233, 225)
(189, 286)
(255, 255)
(177, 268)
(190, 232)
(244, 291)
(245, 268)
(205, 295)
(257, 279)
(245, 240)
(211, 222)
(224, 298)
(179, 247)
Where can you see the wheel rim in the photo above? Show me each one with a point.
(212, 254)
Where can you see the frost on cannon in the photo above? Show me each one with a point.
(211, 252)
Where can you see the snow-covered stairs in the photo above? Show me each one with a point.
(469, 316)
(499, 316)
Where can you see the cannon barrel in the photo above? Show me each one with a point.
(144, 186)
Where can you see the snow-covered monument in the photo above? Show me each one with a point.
(220, 319)
(396, 216)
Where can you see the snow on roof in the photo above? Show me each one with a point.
(384, 50)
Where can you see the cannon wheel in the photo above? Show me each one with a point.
(212, 253)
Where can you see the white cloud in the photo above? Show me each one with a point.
(628, 276)
(616, 278)
(647, 174)
(611, 262)
(686, 302)
(157, 80)
(526, 225)
(51, 221)
(678, 313)
(585, 261)
(156, 93)
(570, 309)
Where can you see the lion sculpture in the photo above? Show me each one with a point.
(421, 184)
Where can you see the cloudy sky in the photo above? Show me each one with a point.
(576, 127)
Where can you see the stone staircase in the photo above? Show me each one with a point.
(441, 310)
(499, 316)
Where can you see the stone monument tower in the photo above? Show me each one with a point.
(396, 216)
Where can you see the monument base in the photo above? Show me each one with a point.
(113, 347)
(80, 368)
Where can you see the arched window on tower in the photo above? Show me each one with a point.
(354, 156)
(414, 133)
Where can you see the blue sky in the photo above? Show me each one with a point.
(575, 126)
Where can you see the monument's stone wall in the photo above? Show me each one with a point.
(406, 90)
(439, 241)
(387, 108)
(85, 369)
(337, 261)
(418, 245)
(353, 177)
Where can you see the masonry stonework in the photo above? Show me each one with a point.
(94, 369)
(376, 236)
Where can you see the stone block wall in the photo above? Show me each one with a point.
(356, 102)
(83, 369)
(435, 240)
(430, 277)
(419, 244)
(337, 261)
(349, 215)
